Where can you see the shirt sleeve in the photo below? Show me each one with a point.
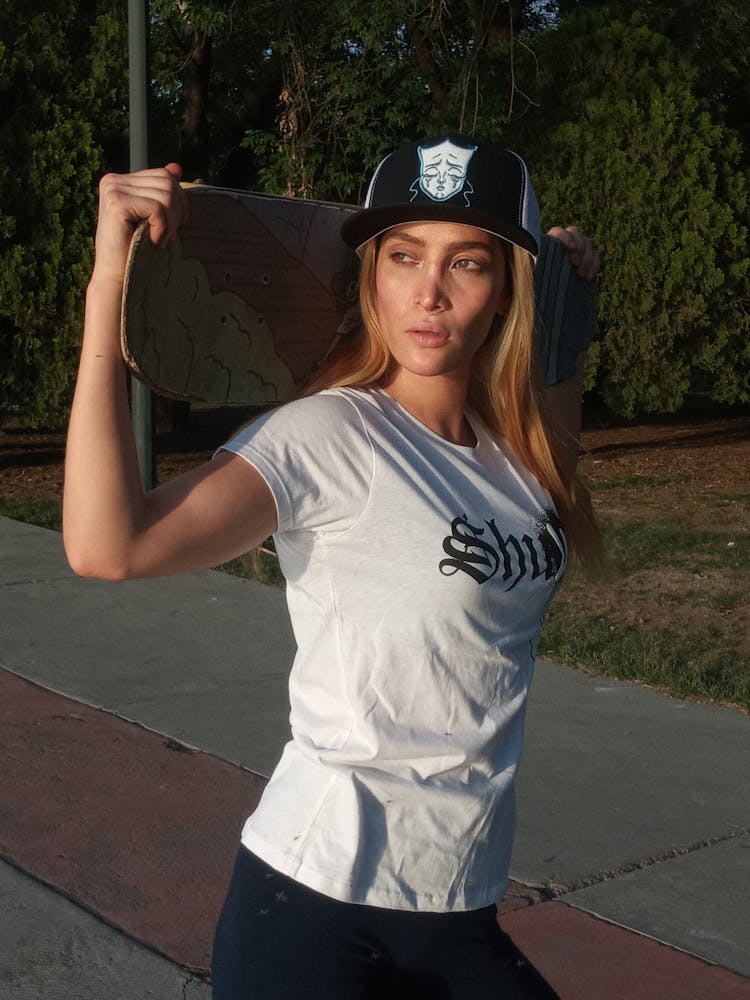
(316, 456)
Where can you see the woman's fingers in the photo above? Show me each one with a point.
(124, 200)
(584, 256)
(153, 195)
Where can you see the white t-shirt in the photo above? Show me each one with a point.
(418, 574)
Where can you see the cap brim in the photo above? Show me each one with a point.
(371, 222)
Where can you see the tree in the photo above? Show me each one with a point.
(358, 79)
(55, 87)
(214, 78)
(635, 158)
(624, 133)
(712, 37)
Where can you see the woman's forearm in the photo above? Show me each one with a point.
(103, 498)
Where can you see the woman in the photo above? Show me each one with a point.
(422, 506)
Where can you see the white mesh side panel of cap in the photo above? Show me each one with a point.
(529, 206)
(371, 188)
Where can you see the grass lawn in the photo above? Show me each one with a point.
(665, 613)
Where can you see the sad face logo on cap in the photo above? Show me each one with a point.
(443, 170)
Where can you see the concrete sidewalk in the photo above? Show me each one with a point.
(634, 808)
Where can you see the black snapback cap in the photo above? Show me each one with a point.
(450, 178)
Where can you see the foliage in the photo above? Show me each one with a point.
(635, 159)
(713, 37)
(214, 78)
(345, 95)
(634, 128)
(358, 80)
(53, 90)
(319, 91)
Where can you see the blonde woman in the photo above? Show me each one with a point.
(423, 504)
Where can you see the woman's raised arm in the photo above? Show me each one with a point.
(111, 529)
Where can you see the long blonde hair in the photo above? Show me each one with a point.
(505, 390)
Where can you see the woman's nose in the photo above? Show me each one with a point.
(430, 292)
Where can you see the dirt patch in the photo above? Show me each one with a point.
(699, 470)
(32, 462)
(667, 599)
(682, 463)
(685, 475)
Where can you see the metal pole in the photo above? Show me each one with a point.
(140, 396)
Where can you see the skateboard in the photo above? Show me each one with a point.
(257, 289)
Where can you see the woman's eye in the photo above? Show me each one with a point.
(467, 264)
(401, 257)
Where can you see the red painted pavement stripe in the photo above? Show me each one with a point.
(118, 818)
(144, 834)
(589, 959)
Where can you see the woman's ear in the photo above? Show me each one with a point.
(503, 307)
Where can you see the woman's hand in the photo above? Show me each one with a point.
(583, 255)
(110, 528)
(124, 200)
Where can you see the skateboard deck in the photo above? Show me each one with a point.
(256, 289)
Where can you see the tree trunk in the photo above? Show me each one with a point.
(501, 20)
(424, 53)
(195, 133)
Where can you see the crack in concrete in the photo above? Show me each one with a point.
(191, 979)
(25, 581)
(643, 863)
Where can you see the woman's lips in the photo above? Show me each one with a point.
(428, 336)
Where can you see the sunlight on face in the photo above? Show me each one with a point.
(439, 288)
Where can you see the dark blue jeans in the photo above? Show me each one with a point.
(279, 940)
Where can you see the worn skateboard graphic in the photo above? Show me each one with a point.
(257, 289)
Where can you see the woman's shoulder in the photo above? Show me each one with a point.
(314, 421)
(340, 404)
(316, 455)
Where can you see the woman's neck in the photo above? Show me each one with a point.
(438, 402)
